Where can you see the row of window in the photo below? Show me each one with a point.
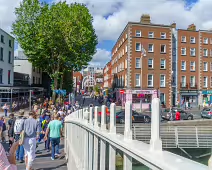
(193, 52)
(193, 40)
(34, 70)
(150, 63)
(8, 76)
(150, 80)
(2, 41)
(193, 66)
(193, 81)
(138, 33)
(2, 55)
(36, 80)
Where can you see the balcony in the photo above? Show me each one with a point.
(184, 85)
(188, 85)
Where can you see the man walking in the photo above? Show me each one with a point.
(32, 130)
(18, 126)
(55, 130)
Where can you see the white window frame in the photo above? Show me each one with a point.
(210, 66)
(136, 46)
(164, 48)
(137, 63)
(139, 81)
(163, 35)
(152, 45)
(211, 81)
(183, 39)
(164, 76)
(205, 40)
(164, 63)
(205, 69)
(152, 81)
(183, 49)
(138, 33)
(126, 36)
(152, 63)
(210, 40)
(183, 84)
(151, 34)
(205, 83)
(126, 48)
(192, 84)
(184, 65)
(192, 52)
(194, 66)
(192, 40)
(205, 52)
(210, 52)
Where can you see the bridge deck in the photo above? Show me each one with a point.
(43, 160)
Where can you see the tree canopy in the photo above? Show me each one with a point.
(56, 38)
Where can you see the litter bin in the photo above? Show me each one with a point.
(150, 108)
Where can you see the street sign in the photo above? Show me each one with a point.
(121, 91)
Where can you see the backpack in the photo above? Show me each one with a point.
(18, 125)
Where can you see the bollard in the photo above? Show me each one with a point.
(91, 115)
(96, 116)
(128, 121)
(155, 142)
(112, 118)
(103, 118)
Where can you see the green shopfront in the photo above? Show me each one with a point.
(207, 96)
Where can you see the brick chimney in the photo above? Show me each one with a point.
(174, 25)
(145, 19)
(191, 27)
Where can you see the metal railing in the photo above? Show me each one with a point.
(85, 143)
(174, 136)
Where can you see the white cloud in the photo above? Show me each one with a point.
(101, 57)
(7, 16)
(161, 11)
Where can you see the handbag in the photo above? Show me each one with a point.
(21, 139)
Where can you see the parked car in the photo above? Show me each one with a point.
(136, 117)
(206, 113)
(171, 114)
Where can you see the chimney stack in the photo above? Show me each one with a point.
(145, 19)
(174, 25)
(191, 27)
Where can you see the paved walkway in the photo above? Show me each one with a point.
(43, 160)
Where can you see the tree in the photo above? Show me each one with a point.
(55, 38)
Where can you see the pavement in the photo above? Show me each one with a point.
(43, 159)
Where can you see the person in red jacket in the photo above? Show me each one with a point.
(177, 115)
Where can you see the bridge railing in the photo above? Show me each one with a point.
(86, 143)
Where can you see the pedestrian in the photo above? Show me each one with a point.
(5, 108)
(44, 127)
(31, 130)
(18, 126)
(4, 129)
(55, 129)
(1, 128)
(11, 123)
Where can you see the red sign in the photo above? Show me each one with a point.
(121, 91)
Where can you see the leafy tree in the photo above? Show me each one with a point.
(55, 38)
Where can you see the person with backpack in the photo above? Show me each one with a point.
(11, 123)
(18, 126)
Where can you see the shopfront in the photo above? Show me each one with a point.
(190, 96)
(207, 97)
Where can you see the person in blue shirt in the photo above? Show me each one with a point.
(42, 118)
(45, 124)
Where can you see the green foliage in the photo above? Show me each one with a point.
(97, 88)
(55, 38)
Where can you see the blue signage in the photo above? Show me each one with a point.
(207, 92)
(61, 92)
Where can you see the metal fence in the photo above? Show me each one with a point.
(174, 136)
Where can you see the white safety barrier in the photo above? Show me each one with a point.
(85, 143)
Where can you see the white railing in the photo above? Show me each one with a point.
(86, 143)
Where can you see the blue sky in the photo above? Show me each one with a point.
(111, 16)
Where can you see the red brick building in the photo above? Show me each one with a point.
(107, 75)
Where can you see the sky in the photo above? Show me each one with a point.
(111, 16)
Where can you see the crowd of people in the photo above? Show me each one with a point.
(25, 132)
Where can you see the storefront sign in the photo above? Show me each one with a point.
(143, 91)
(188, 91)
(207, 92)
